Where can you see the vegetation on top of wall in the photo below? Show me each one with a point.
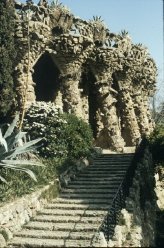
(19, 183)
(58, 5)
(7, 56)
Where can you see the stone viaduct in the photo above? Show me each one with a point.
(85, 69)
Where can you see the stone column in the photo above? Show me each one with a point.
(130, 128)
(109, 134)
(71, 95)
(147, 109)
(141, 112)
(22, 88)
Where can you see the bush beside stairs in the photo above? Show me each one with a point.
(72, 219)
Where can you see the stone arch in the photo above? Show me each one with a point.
(46, 78)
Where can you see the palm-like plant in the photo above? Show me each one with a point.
(12, 145)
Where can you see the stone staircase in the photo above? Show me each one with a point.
(72, 219)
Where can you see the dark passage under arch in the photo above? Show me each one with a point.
(88, 85)
(46, 78)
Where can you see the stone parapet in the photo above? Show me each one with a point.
(15, 214)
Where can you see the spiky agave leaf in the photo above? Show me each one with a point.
(19, 168)
(13, 139)
(29, 146)
(19, 165)
(3, 179)
(10, 149)
(11, 127)
(3, 143)
(20, 162)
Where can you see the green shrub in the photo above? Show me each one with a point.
(156, 141)
(64, 134)
(7, 57)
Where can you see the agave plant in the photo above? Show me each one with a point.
(56, 4)
(59, 5)
(97, 19)
(124, 33)
(13, 144)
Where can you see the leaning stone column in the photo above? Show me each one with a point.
(103, 63)
(110, 135)
(128, 116)
(147, 109)
(141, 112)
(71, 95)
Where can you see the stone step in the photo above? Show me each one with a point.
(116, 155)
(90, 191)
(54, 234)
(105, 187)
(87, 196)
(68, 219)
(81, 201)
(19, 242)
(23, 242)
(94, 169)
(107, 166)
(78, 243)
(118, 160)
(74, 212)
(62, 226)
(112, 178)
(77, 206)
(99, 183)
(115, 160)
(98, 177)
(112, 162)
(102, 174)
(127, 158)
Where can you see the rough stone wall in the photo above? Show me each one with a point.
(124, 74)
(14, 215)
(159, 190)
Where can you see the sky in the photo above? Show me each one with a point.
(143, 19)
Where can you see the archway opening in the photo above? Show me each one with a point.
(87, 84)
(46, 78)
